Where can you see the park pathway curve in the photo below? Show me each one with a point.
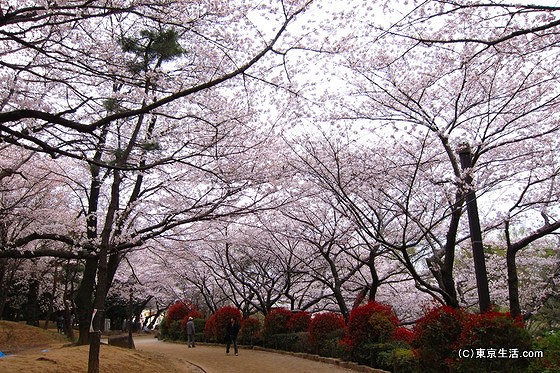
(213, 359)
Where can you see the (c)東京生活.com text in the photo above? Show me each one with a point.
(498, 353)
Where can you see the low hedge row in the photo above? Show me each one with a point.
(372, 336)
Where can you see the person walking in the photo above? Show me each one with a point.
(60, 324)
(231, 335)
(190, 332)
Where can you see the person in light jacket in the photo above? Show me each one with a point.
(190, 332)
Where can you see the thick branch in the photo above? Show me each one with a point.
(53, 253)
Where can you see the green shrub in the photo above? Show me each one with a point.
(198, 323)
(163, 330)
(549, 344)
(399, 360)
(174, 331)
(332, 346)
(294, 342)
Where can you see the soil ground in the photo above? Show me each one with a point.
(34, 350)
(213, 359)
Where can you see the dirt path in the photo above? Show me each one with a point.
(213, 359)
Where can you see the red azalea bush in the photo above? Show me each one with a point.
(178, 311)
(210, 329)
(215, 328)
(276, 321)
(299, 322)
(324, 326)
(369, 326)
(444, 331)
(250, 330)
(434, 336)
(404, 334)
(491, 329)
(371, 322)
(195, 314)
(500, 339)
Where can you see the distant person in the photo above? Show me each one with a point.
(190, 332)
(60, 324)
(231, 335)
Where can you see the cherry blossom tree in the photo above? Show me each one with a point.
(382, 189)
(151, 95)
(429, 79)
(333, 257)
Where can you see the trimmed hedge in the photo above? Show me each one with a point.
(215, 328)
(434, 336)
(369, 328)
(276, 322)
(372, 337)
(299, 321)
(250, 333)
(325, 331)
(443, 332)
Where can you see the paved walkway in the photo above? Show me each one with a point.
(213, 359)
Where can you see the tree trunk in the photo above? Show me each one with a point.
(32, 308)
(84, 300)
(3, 286)
(103, 275)
(513, 283)
(94, 347)
(442, 267)
(99, 317)
(374, 275)
(53, 295)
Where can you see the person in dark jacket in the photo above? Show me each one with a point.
(231, 335)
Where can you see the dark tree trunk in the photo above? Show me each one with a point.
(31, 310)
(53, 295)
(84, 299)
(4, 283)
(374, 275)
(513, 283)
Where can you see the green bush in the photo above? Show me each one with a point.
(175, 331)
(399, 360)
(198, 324)
(162, 330)
(549, 344)
(332, 346)
(294, 342)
